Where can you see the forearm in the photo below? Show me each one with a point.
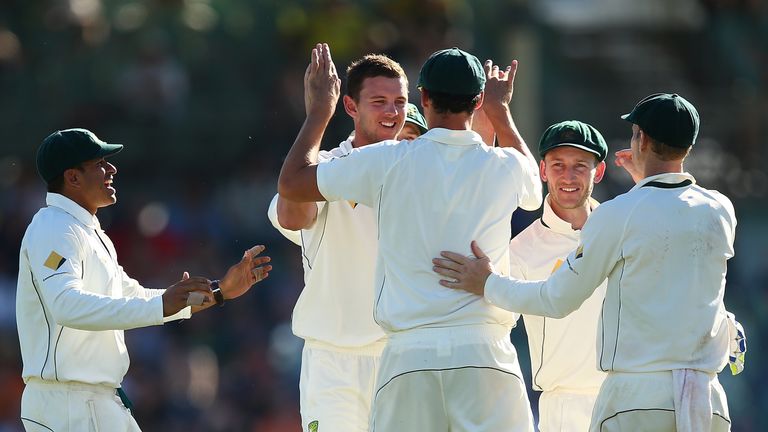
(527, 297)
(298, 176)
(507, 134)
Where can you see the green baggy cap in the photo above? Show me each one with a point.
(574, 133)
(452, 71)
(667, 118)
(413, 115)
(67, 148)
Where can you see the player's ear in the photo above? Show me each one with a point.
(480, 101)
(72, 177)
(350, 106)
(543, 170)
(599, 172)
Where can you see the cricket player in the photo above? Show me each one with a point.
(664, 333)
(415, 124)
(74, 300)
(334, 313)
(448, 363)
(563, 350)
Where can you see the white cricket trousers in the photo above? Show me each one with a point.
(644, 402)
(336, 386)
(566, 410)
(458, 379)
(73, 407)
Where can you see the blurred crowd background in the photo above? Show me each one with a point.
(207, 97)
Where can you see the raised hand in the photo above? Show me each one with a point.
(322, 86)
(624, 159)
(499, 86)
(243, 275)
(464, 273)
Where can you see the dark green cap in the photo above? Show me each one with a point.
(413, 115)
(573, 133)
(667, 118)
(454, 72)
(65, 149)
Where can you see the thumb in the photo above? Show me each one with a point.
(479, 254)
(185, 276)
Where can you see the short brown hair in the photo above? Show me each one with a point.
(370, 66)
(667, 152)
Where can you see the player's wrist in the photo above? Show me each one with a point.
(218, 294)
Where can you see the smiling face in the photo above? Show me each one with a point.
(90, 185)
(410, 132)
(379, 112)
(571, 174)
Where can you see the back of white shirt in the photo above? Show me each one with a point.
(437, 193)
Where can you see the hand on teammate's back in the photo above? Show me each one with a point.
(322, 85)
(464, 273)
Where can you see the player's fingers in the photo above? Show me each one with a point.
(254, 251)
(446, 272)
(185, 276)
(446, 264)
(479, 254)
(258, 261)
(453, 256)
(488, 65)
(512, 71)
(450, 284)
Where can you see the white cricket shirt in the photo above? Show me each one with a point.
(663, 247)
(74, 300)
(562, 350)
(439, 192)
(339, 258)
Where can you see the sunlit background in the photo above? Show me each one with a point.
(207, 97)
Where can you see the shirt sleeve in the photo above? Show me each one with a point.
(132, 288)
(359, 175)
(56, 262)
(294, 236)
(530, 187)
(573, 282)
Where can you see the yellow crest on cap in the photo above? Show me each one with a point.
(54, 261)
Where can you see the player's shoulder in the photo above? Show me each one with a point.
(527, 239)
(51, 224)
(718, 199)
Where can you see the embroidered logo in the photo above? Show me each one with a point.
(579, 251)
(313, 425)
(54, 261)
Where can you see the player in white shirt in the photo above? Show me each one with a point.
(334, 313)
(448, 363)
(74, 300)
(664, 333)
(563, 350)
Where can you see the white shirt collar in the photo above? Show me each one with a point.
(73, 208)
(346, 145)
(552, 221)
(668, 178)
(453, 137)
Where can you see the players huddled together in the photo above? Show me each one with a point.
(413, 281)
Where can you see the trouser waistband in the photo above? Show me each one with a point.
(71, 385)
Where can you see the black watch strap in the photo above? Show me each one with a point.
(217, 295)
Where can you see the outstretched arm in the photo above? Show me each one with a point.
(298, 177)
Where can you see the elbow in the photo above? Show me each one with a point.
(292, 223)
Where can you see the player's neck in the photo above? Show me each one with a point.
(655, 167)
(577, 217)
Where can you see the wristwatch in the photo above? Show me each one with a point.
(217, 295)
